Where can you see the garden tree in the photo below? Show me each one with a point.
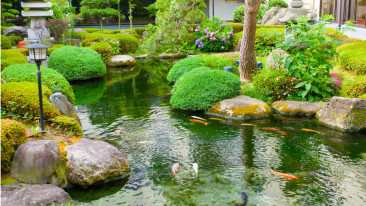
(173, 19)
(248, 62)
(98, 9)
(131, 7)
(7, 10)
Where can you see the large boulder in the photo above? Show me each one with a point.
(122, 61)
(39, 162)
(274, 59)
(17, 31)
(64, 106)
(296, 108)
(92, 161)
(346, 114)
(242, 108)
(270, 17)
(18, 194)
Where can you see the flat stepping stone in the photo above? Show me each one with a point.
(122, 61)
(299, 108)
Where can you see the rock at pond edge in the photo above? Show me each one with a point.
(296, 107)
(122, 61)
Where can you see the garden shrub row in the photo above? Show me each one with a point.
(50, 78)
(354, 88)
(11, 57)
(21, 99)
(238, 27)
(77, 63)
(352, 57)
(13, 134)
(68, 124)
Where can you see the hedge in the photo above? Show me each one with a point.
(77, 63)
(104, 49)
(183, 66)
(5, 42)
(218, 62)
(11, 57)
(21, 98)
(200, 89)
(13, 134)
(50, 78)
(91, 30)
(238, 27)
(68, 124)
(140, 30)
(352, 57)
(354, 88)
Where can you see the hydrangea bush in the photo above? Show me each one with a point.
(214, 36)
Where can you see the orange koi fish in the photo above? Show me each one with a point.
(291, 177)
(121, 132)
(276, 130)
(218, 119)
(175, 169)
(199, 121)
(310, 130)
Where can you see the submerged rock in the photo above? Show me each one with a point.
(39, 162)
(122, 61)
(241, 107)
(64, 106)
(18, 194)
(92, 161)
(171, 56)
(346, 114)
(296, 108)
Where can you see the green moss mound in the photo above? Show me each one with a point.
(11, 57)
(68, 124)
(77, 63)
(5, 42)
(13, 134)
(21, 98)
(352, 57)
(354, 88)
(201, 88)
(104, 49)
(183, 66)
(50, 78)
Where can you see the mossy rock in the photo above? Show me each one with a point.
(296, 108)
(122, 61)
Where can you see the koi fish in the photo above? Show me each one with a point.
(333, 150)
(284, 175)
(244, 196)
(273, 129)
(318, 172)
(290, 128)
(195, 168)
(175, 169)
(121, 132)
(195, 117)
(247, 124)
(199, 121)
(83, 110)
(310, 130)
(341, 141)
(218, 119)
(145, 142)
(294, 138)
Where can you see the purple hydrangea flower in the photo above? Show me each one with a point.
(216, 32)
(202, 37)
(222, 47)
(197, 41)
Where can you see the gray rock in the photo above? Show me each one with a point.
(296, 108)
(271, 18)
(125, 32)
(39, 162)
(79, 30)
(63, 105)
(143, 56)
(346, 114)
(241, 108)
(17, 31)
(273, 59)
(144, 34)
(122, 60)
(171, 56)
(92, 161)
(17, 194)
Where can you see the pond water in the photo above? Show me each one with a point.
(232, 158)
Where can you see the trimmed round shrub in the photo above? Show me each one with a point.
(5, 42)
(200, 89)
(21, 98)
(15, 40)
(104, 49)
(77, 63)
(50, 78)
(352, 57)
(127, 42)
(68, 124)
(13, 134)
(183, 66)
(354, 88)
(11, 57)
(277, 3)
(238, 15)
(140, 30)
(194, 71)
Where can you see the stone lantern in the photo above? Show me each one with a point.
(295, 11)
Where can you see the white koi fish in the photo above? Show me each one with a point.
(195, 168)
(175, 169)
(195, 117)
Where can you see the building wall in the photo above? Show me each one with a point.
(223, 9)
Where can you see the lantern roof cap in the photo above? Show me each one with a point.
(37, 46)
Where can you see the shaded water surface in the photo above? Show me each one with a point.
(232, 158)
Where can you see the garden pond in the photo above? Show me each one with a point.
(232, 157)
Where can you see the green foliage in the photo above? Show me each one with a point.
(91, 30)
(354, 88)
(5, 42)
(200, 89)
(11, 57)
(183, 66)
(152, 9)
(140, 30)
(13, 134)
(352, 57)
(214, 36)
(173, 18)
(68, 124)
(127, 43)
(238, 15)
(104, 49)
(54, 48)
(7, 10)
(15, 40)
(77, 63)
(218, 62)
(310, 57)
(50, 78)
(20, 99)
(57, 28)
(277, 3)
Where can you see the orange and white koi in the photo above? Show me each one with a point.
(175, 169)
(310, 130)
(291, 177)
(195, 117)
(276, 130)
(123, 132)
(198, 121)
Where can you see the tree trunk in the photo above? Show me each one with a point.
(119, 16)
(248, 61)
(101, 25)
